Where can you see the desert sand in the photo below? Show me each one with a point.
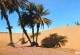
(71, 32)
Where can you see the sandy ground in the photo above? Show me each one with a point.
(71, 48)
(34, 51)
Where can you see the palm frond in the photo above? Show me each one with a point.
(45, 12)
(39, 9)
(30, 6)
(47, 21)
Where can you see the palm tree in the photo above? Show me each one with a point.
(11, 6)
(30, 8)
(77, 23)
(40, 21)
(26, 20)
(4, 8)
(32, 17)
(21, 4)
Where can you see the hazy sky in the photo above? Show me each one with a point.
(61, 13)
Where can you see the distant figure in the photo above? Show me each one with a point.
(67, 24)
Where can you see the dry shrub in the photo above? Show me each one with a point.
(54, 40)
(22, 40)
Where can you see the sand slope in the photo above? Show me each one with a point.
(71, 32)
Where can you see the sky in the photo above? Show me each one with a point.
(62, 12)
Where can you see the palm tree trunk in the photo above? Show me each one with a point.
(33, 33)
(22, 34)
(9, 28)
(33, 43)
(25, 32)
(24, 29)
(37, 35)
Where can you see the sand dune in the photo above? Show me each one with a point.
(71, 32)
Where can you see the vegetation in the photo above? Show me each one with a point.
(22, 40)
(54, 40)
(27, 19)
(31, 16)
(40, 12)
(77, 23)
(10, 6)
(35, 34)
